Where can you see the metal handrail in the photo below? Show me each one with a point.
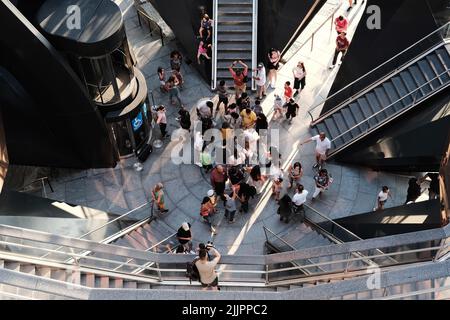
(447, 25)
(214, 50)
(311, 37)
(415, 293)
(254, 40)
(149, 249)
(42, 180)
(290, 246)
(416, 91)
(106, 224)
(261, 272)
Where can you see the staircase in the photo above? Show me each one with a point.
(386, 100)
(304, 237)
(235, 38)
(154, 236)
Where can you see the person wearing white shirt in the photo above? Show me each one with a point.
(300, 197)
(261, 79)
(299, 73)
(323, 145)
(382, 198)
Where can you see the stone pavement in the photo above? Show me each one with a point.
(121, 189)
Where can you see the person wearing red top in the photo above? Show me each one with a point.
(342, 45)
(240, 85)
(341, 24)
(288, 92)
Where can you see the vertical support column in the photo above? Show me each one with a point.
(254, 40)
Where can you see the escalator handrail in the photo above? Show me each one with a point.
(447, 25)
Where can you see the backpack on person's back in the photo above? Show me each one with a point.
(192, 271)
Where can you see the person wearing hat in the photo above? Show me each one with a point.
(212, 197)
(184, 235)
(261, 79)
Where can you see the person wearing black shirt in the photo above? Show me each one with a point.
(184, 236)
(292, 108)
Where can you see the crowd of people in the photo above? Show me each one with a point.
(244, 169)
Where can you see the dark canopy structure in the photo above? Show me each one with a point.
(101, 26)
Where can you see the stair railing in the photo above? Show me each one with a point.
(214, 41)
(254, 40)
(111, 238)
(413, 94)
(423, 251)
(330, 18)
(382, 72)
(42, 182)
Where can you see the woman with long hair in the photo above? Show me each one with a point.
(299, 73)
(274, 64)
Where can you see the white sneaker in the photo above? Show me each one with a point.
(332, 66)
(339, 63)
(213, 229)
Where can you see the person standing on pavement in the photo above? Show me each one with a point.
(261, 79)
(176, 59)
(274, 64)
(292, 109)
(299, 198)
(342, 45)
(239, 77)
(219, 177)
(299, 73)
(158, 197)
(162, 121)
(323, 145)
(206, 211)
(288, 92)
(206, 269)
(222, 91)
(323, 181)
(231, 206)
(184, 236)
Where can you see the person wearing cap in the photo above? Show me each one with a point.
(184, 236)
(261, 79)
(212, 197)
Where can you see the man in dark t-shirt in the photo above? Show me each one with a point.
(342, 45)
(184, 236)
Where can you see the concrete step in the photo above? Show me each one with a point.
(143, 286)
(88, 280)
(116, 283)
(60, 275)
(28, 268)
(44, 272)
(11, 265)
(130, 284)
(102, 282)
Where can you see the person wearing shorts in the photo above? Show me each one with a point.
(206, 269)
(239, 78)
(323, 145)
